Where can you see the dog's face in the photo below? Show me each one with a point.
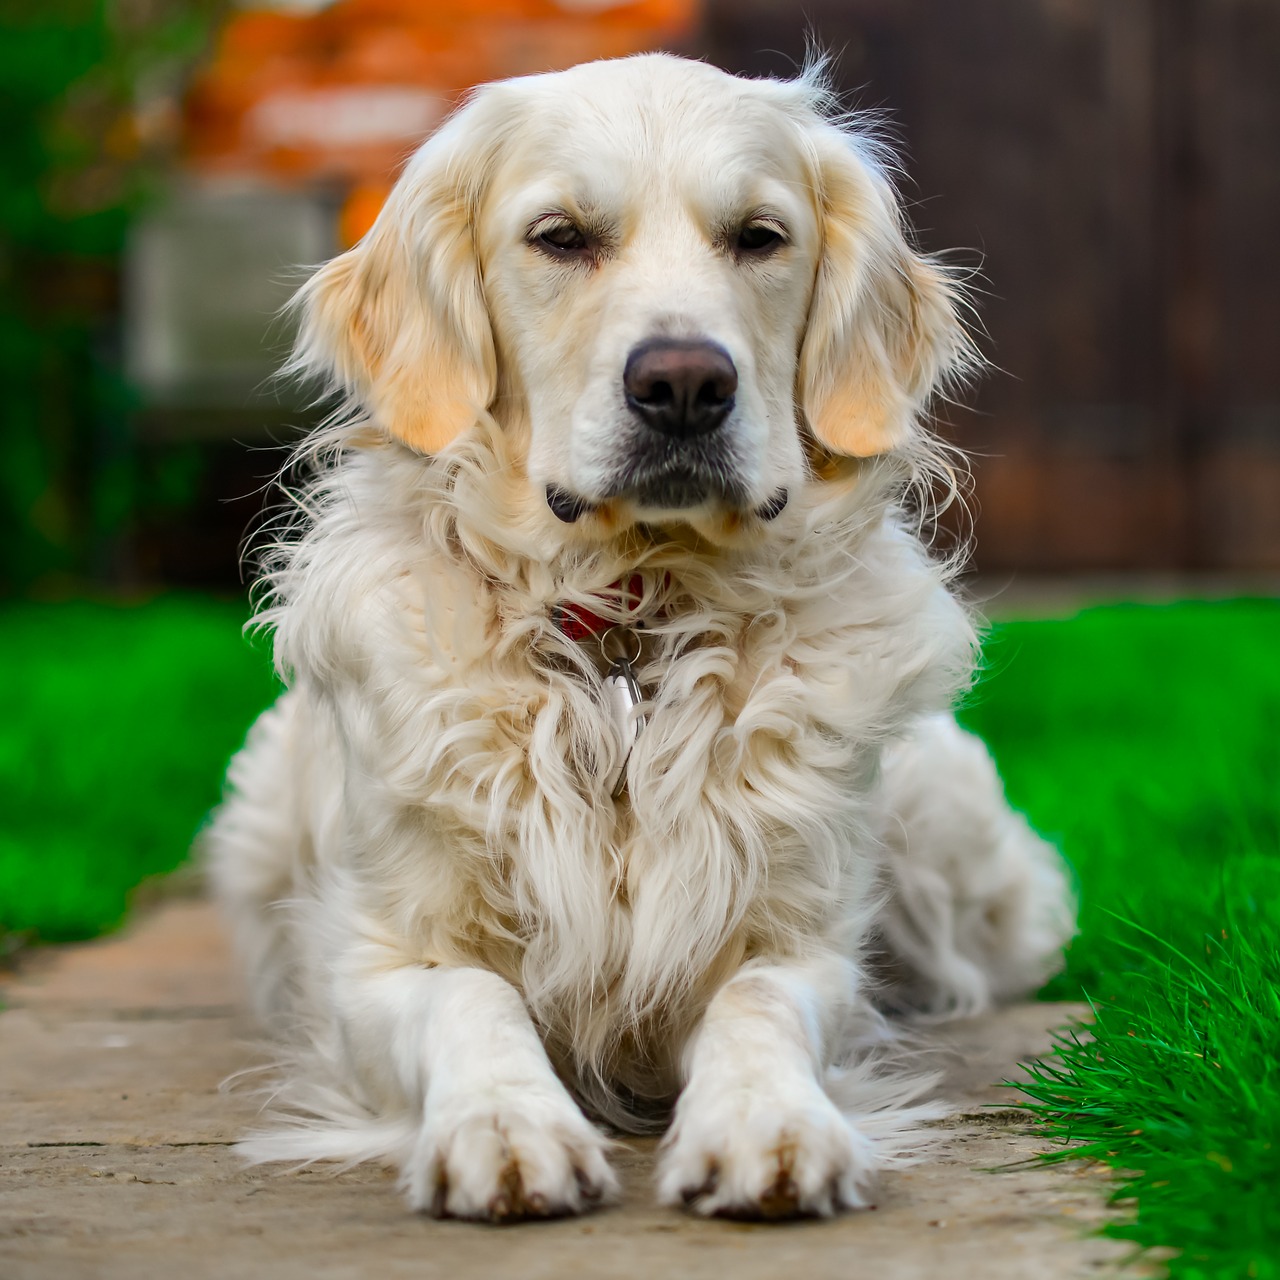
(649, 248)
(671, 279)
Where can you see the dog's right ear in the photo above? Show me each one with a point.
(399, 323)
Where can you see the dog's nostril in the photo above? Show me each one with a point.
(680, 387)
(712, 394)
(660, 394)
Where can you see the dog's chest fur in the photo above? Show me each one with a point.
(482, 831)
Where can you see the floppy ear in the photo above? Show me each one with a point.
(883, 330)
(399, 322)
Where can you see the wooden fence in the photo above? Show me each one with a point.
(1114, 167)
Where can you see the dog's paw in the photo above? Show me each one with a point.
(761, 1153)
(523, 1157)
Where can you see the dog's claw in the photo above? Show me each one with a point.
(440, 1196)
(695, 1191)
(592, 1193)
(782, 1200)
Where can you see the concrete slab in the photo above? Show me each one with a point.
(115, 1159)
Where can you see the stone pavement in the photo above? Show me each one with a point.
(115, 1159)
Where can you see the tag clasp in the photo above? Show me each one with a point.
(621, 649)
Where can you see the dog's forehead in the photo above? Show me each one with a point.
(654, 121)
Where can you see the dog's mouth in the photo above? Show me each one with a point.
(657, 480)
(667, 493)
(677, 487)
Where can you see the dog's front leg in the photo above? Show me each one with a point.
(500, 1138)
(755, 1134)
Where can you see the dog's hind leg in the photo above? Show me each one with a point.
(255, 848)
(979, 906)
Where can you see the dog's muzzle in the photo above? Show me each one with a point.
(681, 393)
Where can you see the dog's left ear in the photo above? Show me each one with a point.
(883, 331)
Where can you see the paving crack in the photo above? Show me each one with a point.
(139, 1146)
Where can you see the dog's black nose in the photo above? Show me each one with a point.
(681, 388)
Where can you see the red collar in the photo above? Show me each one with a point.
(578, 622)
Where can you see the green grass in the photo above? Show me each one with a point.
(1145, 740)
(118, 722)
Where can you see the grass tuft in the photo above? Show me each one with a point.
(1176, 1086)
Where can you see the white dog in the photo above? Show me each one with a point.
(633, 362)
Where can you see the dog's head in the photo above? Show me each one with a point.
(681, 286)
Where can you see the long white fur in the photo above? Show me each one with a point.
(450, 926)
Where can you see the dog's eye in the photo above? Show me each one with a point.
(759, 238)
(562, 239)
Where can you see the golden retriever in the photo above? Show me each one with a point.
(616, 768)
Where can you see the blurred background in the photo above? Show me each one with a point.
(166, 166)
(1111, 166)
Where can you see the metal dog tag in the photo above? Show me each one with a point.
(621, 647)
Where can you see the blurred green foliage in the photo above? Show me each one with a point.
(87, 95)
(1142, 740)
(119, 723)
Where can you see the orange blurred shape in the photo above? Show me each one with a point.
(650, 13)
(359, 210)
(343, 94)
